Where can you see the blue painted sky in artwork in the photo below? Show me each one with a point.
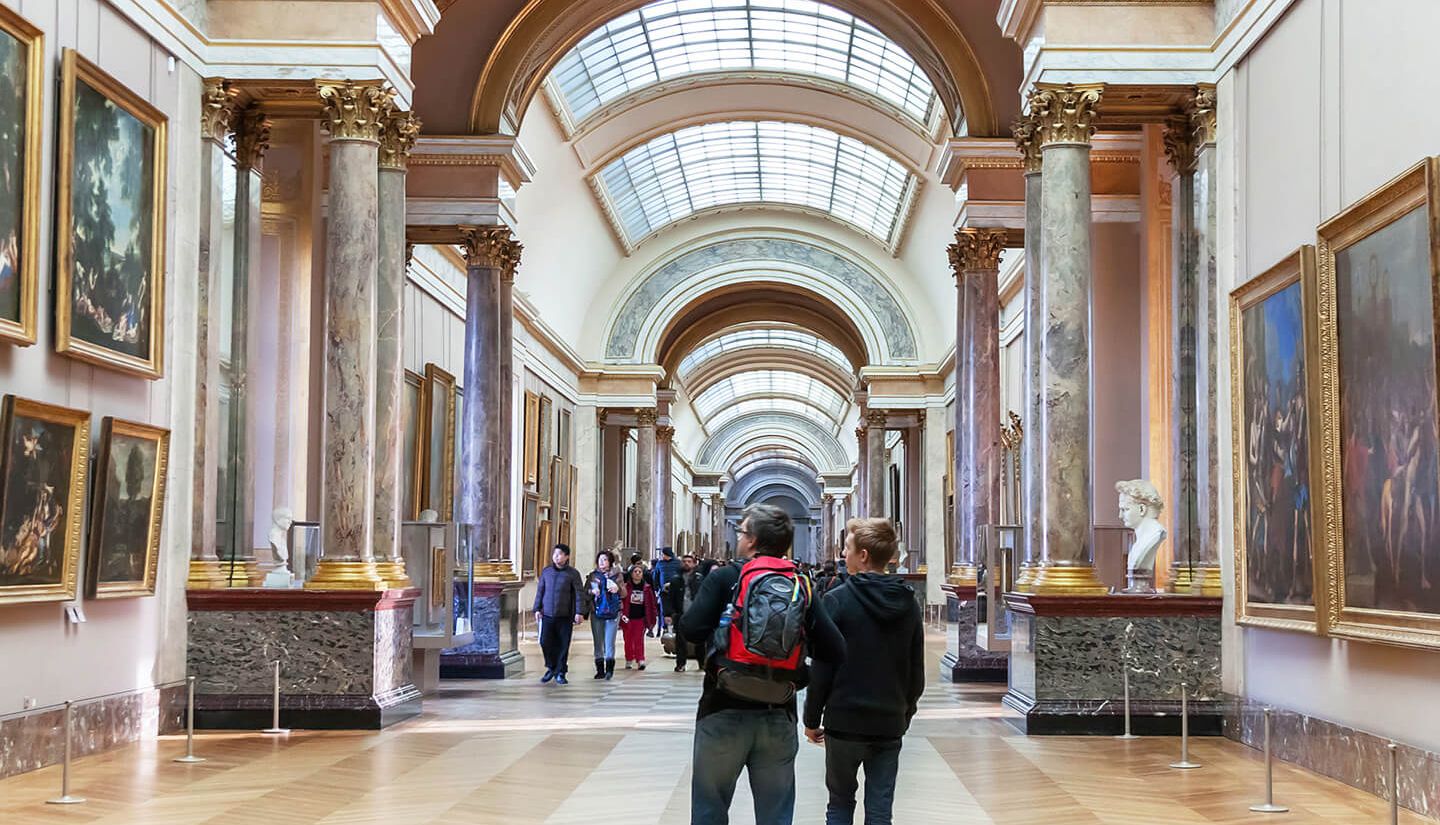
(1284, 340)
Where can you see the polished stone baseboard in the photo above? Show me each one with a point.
(34, 740)
(308, 712)
(1098, 717)
(989, 669)
(1355, 757)
(507, 665)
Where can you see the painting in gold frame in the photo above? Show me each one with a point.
(437, 437)
(439, 577)
(532, 437)
(44, 463)
(559, 485)
(1280, 573)
(109, 304)
(128, 505)
(542, 544)
(22, 54)
(1378, 266)
(544, 445)
(411, 456)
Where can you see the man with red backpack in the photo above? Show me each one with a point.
(759, 621)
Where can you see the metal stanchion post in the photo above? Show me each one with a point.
(65, 797)
(1125, 685)
(1394, 783)
(275, 729)
(190, 756)
(1184, 763)
(1269, 806)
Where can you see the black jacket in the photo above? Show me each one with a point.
(874, 692)
(674, 595)
(823, 641)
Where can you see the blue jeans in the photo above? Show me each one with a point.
(843, 758)
(602, 631)
(762, 741)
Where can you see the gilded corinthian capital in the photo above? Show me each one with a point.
(217, 109)
(1065, 114)
(353, 111)
(1200, 111)
(492, 247)
(976, 250)
(1023, 128)
(252, 137)
(398, 131)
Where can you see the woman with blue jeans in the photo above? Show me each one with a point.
(603, 590)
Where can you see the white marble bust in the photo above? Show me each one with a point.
(280, 522)
(1140, 506)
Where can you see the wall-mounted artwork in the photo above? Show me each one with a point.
(129, 502)
(1377, 365)
(22, 50)
(438, 439)
(410, 453)
(110, 223)
(532, 437)
(545, 446)
(562, 442)
(1274, 340)
(533, 561)
(559, 485)
(44, 462)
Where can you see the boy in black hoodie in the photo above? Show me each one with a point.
(861, 709)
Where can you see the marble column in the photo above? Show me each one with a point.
(216, 109)
(826, 500)
(717, 526)
(664, 518)
(645, 483)
(861, 464)
(504, 551)
(352, 117)
(914, 506)
(490, 252)
(875, 470)
(975, 258)
(397, 136)
(1201, 114)
(1064, 118)
(1031, 519)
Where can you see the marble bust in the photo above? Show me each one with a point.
(1140, 506)
(279, 536)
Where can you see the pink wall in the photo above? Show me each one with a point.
(1117, 324)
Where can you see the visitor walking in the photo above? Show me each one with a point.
(559, 600)
(860, 709)
(679, 594)
(639, 613)
(747, 715)
(602, 590)
(665, 569)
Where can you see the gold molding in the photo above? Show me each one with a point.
(353, 111)
(71, 509)
(646, 417)
(1200, 111)
(22, 329)
(109, 428)
(217, 109)
(1066, 580)
(350, 574)
(417, 159)
(1065, 114)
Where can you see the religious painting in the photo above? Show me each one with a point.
(1378, 362)
(410, 452)
(129, 501)
(532, 437)
(110, 225)
(533, 561)
(44, 462)
(22, 50)
(1277, 580)
(437, 441)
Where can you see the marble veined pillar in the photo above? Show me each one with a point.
(1031, 521)
(352, 117)
(216, 108)
(397, 136)
(875, 469)
(975, 258)
(717, 526)
(645, 483)
(664, 518)
(505, 459)
(1064, 118)
(1201, 112)
(860, 469)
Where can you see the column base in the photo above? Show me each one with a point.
(309, 712)
(965, 660)
(1025, 577)
(494, 571)
(1106, 717)
(242, 573)
(205, 574)
(963, 575)
(507, 665)
(1067, 580)
(333, 574)
(393, 574)
(987, 668)
(1183, 579)
(495, 651)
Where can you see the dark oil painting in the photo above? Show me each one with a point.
(123, 530)
(14, 72)
(36, 492)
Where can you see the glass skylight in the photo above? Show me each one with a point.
(718, 164)
(778, 390)
(793, 339)
(674, 38)
(730, 412)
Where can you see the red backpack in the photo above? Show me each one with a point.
(759, 646)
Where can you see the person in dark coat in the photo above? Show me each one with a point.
(861, 708)
(665, 569)
(559, 606)
(679, 594)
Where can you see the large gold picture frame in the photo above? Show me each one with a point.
(437, 440)
(87, 311)
(532, 437)
(128, 505)
(1281, 503)
(1383, 329)
(411, 450)
(22, 54)
(44, 464)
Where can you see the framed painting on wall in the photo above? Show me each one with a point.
(22, 52)
(129, 503)
(437, 400)
(110, 223)
(559, 485)
(44, 463)
(562, 443)
(532, 437)
(542, 543)
(1273, 341)
(410, 452)
(544, 446)
(1377, 281)
(529, 523)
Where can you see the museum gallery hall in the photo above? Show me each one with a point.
(348, 349)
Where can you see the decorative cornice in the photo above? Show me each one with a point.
(252, 137)
(1065, 114)
(646, 417)
(353, 111)
(492, 247)
(1023, 129)
(976, 250)
(217, 109)
(1200, 110)
(398, 132)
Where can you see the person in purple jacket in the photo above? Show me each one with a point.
(558, 599)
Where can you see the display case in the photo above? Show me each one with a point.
(998, 546)
(438, 569)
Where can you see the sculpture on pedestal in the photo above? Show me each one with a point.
(280, 522)
(1140, 506)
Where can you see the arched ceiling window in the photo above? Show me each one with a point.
(675, 38)
(760, 391)
(791, 339)
(713, 165)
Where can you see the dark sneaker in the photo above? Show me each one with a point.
(679, 668)
(561, 680)
(549, 674)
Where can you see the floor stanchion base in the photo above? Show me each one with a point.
(275, 731)
(1185, 766)
(1128, 736)
(188, 760)
(67, 799)
(1269, 808)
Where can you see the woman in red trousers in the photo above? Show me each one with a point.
(639, 611)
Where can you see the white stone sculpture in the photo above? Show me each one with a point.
(1140, 506)
(280, 523)
(430, 516)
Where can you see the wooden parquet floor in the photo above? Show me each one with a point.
(597, 753)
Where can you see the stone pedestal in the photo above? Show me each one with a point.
(495, 652)
(1067, 653)
(964, 660)
(344, 657)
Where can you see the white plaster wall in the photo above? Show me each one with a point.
(131, 643)
(1318, 114)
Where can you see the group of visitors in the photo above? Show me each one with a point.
(765, 629)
